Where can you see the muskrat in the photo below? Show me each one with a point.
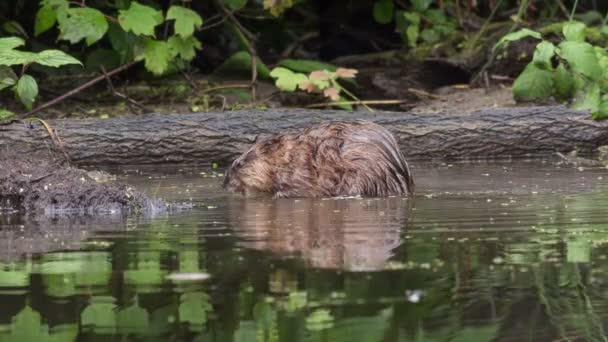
(340, 158)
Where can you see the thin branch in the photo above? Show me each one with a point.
(209, 26)
(80, 88)
(228, 86)
(119, 94)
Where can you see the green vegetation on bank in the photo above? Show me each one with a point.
(43, 39)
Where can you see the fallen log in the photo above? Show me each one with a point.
(219, 137)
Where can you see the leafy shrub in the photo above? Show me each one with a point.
(25, 86)
(420, 22)
(319, 81)
(573, 71)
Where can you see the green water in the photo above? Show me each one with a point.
(484, 252)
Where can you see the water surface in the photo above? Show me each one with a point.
(500, 251)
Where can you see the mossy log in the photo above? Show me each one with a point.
(219, 137)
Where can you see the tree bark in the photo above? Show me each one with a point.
(220, 137)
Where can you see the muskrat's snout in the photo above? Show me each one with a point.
(231, 179)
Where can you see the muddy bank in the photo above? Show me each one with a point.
(43, 183)
(219, 137)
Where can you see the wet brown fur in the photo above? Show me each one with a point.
(355, 158)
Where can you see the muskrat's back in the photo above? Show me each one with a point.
(354, 158)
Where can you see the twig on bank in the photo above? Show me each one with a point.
(189, 79)
(367, 102)
(228, 86)
(423, 94)
(54, 137)
(119, 94)
(80, 88)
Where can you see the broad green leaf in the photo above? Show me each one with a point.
(383, 11)
(7, 77)
(517, 35)
(430, 36)
(6, 114)
(581, 58)
(412, 33)
(27, 90)
(13, 27)
(83, 23)
(306, 65)
(240, 63)
(16, 57)
(140, 19)
(320, 319)
(156, 55)
(574, 31)
(184, 47)
(563, 83)
(533, 84)
(55, 58)
(9, 43)
(45, 19)
(235, 4)
(421, 5)
(601, 114)
(100, 315)
(286, 79)
(588, 99)
(543, 54)
(412, 17)
(133, 319)
(186, 20)
(122, 42)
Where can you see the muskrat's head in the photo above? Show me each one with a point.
(251, 173)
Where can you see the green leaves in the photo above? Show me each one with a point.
(45, 19)
(581, 58)
(383, 11)
(543, 54)
(517, 35)
(10, 43)
(83, 23)
(140, 19)
(580, 74)
(55, 58)
(27, 90)
(7, 77)
(9, 56)
(574, 31)
(184, 47)
(286, 79)
(6, 114)
(564, 83)
(533, 84)
(186, 20)
(156, 55)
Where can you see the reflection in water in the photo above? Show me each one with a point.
(350, 234)
(485, 252)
